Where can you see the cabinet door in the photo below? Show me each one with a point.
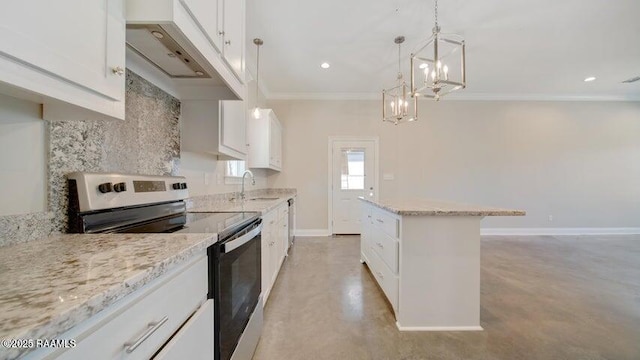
(206, 13)
(233, 125)
(275, 143)
(194, 341)
(275, 253)
(285, 233)
(266, 262)
(269, 222)
(278, 156)
(76, 41)
(234, 36)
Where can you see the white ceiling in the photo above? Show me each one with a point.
(516, 49)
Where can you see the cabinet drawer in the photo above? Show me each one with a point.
(385, 278)
(386, 222)
(387, 249)
(194, 341)
(174, 300)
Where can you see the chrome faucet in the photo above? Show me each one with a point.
(253, 182)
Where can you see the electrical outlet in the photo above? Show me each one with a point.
(550, 217)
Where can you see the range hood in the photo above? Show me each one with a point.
(154, 44)
(168, 35)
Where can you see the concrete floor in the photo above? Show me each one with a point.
(542, 297)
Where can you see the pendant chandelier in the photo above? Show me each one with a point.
(434, 66)
(395, 100)
(258, 42)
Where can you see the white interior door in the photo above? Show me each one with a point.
(353, 175)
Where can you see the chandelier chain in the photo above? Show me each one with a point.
(399, 68)
(436, 13)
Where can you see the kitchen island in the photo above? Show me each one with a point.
(425, 255)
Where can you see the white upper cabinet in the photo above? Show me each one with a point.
(62, 61)
(224, 23)
(233, 29)
(215, 127)
(207, 14)
(265, 141)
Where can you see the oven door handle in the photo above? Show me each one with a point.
(236, 243)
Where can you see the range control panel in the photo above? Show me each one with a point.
(98, 191)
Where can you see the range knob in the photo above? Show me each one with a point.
(105, 188)
(120, 187)
(175, 186)
(183, 186)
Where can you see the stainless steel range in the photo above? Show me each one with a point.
(120, 203)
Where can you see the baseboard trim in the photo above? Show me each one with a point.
(439, 328)
(560, 231)
(312, 232)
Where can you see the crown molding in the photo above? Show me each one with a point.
(453, 97)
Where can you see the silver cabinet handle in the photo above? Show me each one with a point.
(236, 243)
(220, 32)
(118, 70)
(153, 326)
(380, 221)
(228, 42)
(380, 245)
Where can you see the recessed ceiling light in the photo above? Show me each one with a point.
(424, 65)
(157, 34)
(199, 73)
(325, 65)
(590, 78)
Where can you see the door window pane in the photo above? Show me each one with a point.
(352, 169)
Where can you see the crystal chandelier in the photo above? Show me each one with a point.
(258, 42)
(433, 73)
(395, 100)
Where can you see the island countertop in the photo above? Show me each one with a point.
(426, 207)
(48, 286)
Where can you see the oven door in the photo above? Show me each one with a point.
(237, 284)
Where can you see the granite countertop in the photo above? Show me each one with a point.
(47, 286)
(425, 207)
(262, 204)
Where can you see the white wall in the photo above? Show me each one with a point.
(576, 161)
(205, 175)
(23, 157)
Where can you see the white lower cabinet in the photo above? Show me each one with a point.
(195, 340)
(140, 324)
(275, 237)
(380, 250)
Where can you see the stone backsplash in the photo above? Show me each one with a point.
(147, 142)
